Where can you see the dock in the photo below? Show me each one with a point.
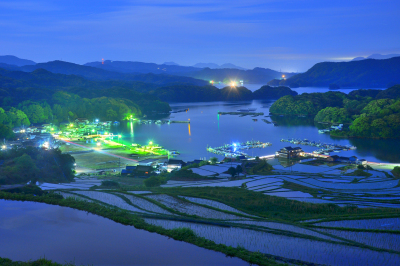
(233, 150)
(241, 113)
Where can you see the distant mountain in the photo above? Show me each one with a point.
(255, 76)
(215, 66)
(229, 65)
(191, 93)
(9, 67)
(376, 56)
(368, 73)
(13, 60)
(94, 73)
(204, 65)
(170, 64)
(140, 67)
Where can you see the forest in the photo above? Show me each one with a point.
(369, 113)
(33, 164)
(193, 93)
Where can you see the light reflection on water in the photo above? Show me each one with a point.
(32, 230)
(207, 128)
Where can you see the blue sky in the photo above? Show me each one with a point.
(287, 35)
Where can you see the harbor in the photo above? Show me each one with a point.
(162, 122)
(234, 149)
(324, 148)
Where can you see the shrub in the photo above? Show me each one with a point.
(396, 171)
(109, 183)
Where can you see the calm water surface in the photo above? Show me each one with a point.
(30, 230)
(208, 128)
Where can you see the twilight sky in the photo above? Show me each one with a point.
(281, 34)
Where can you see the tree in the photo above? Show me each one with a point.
(6, 132)
(232, 171)
(239, 169)
(213, 160)
(396, 171)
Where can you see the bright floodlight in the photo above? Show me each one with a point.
(234, 144)
(97, 120)
(4, 147)
(98, 144)
(151, 143)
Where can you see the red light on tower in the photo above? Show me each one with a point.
(102, 61)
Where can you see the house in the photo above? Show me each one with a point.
(173, 164)
(363, 162)
(148, 162)
(129, 169)
(352, 159)
(333, 158)
(289, 152)
(143, 170)
(81, 121)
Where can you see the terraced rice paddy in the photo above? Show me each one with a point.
(191, 209)
(213, 203)
(378, 240)
(109, 199)
(289, 247)
(140, 192)
(146, 205)
(70, 195)
(382, 224)
(289, 228)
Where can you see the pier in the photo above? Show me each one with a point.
(325, 148)
(241, 113)
(233, 150)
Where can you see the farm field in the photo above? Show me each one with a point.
(300, 218)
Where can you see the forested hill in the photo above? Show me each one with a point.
(93, 73)
(369, 73)
(44, 97)
(41, 78)
(370, 113)
(256, 76)
(141, 67)
(191, 93)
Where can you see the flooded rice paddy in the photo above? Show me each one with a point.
(32, 230)
(289, 247)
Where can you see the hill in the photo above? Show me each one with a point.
(141, 67)
(369, 113)
(369, 73)
(376, 56)
(215, 66)
(13, 60)
(191, 93)
(268, 92)
(94, 73)
(254, 76)
(40, 85)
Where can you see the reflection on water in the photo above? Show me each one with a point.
(387, 150)
(207, 128)
(32, 230)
